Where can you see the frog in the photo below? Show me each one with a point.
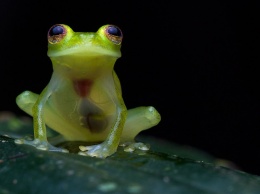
(83, 99)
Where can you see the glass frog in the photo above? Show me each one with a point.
(83, 100)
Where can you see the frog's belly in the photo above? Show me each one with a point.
(85, 118)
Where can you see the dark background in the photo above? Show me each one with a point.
(195, 62)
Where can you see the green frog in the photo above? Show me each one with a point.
(83, 100)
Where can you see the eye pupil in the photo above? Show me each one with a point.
(56, 30)
(114, 31)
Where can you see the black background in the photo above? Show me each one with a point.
(195, 62)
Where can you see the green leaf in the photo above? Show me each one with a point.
(26, 170)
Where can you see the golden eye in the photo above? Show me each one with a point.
(114, 34)
(56, 33)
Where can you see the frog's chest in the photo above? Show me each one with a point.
(85, 105)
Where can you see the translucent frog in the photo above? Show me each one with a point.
(83, 100)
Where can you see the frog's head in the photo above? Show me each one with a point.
(84, 50)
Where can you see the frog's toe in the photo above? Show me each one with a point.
(132, 146)
(41, 145)
(100, 150)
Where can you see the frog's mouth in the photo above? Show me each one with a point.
(85, 51)
(77, 65)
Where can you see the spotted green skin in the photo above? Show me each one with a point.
(99, 115)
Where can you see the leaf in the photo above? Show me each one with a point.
(26, 170)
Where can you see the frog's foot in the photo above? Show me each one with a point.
(102, 150)
(132, 146)
(41, 145)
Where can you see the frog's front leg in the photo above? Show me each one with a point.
(109, 146)
(25, 101)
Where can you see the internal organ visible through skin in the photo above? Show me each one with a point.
(82, 87)
(92, 117)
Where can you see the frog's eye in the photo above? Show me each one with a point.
(56, 33)
(114, 34)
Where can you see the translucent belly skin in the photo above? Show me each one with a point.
(86, 116)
